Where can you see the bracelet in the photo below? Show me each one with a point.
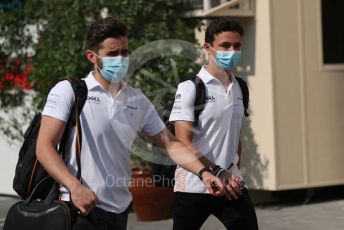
(205, 169)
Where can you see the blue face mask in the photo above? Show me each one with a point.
(114, 68)
(227, 60)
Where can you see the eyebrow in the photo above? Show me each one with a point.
(228, 43)
(117, 51)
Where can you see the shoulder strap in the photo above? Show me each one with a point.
(80, 91)
(245, 94)
(199, 98)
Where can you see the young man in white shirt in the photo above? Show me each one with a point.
(218, 135)
(112, 115)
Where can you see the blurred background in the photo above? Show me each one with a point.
(292, 59)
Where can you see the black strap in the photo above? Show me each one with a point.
(78, 141)
(80, 91)
(200, 98)
(245, 94)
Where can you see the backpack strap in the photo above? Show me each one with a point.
(200, 98)
(80, 91)
(245, 94)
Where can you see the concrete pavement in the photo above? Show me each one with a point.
(318, 215)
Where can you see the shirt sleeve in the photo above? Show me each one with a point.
(183, 107)
(152, 123)
(60, 101)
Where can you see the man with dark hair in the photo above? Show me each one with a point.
(218, 136)
(114, 112)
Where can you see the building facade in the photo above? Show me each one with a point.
(293, 60)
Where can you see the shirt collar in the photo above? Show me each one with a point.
(91, 82)
(206, 77)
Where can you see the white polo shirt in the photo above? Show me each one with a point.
(218, 128)
(109, 127)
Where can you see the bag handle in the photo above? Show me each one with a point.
(51, 195)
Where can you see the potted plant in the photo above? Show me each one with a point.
(150, 201)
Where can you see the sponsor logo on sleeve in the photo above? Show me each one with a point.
(52, 101)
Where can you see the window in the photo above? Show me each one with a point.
(332, 31)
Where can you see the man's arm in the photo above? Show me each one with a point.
(187, 158)
(50, 133)
(183, 131)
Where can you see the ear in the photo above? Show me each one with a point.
(209, 51)
(91, 57)
(208, 48)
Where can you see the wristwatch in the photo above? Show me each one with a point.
(205, 169)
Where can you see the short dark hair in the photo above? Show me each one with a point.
(220, 25)
(102, 29)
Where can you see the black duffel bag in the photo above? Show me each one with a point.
(41, 214)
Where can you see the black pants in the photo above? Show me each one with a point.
(190, 211)
(102, 220)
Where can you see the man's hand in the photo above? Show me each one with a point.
(231, 184)
(83, 198)
(214, 184)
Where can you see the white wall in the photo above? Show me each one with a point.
(8, 160)
(9, 150)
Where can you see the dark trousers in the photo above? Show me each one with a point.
(190, 211)
(102, 220)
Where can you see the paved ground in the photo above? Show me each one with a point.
(325, 211)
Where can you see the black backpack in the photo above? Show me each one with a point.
(29, 172)
(166, 172)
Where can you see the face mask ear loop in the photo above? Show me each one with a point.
(96, 63)
(212, 47)
(211, 56)
(98, 67)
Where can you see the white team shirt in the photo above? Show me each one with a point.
(218, 131)
(109, 127)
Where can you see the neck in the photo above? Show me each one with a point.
(113, 88)
(224, 76)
